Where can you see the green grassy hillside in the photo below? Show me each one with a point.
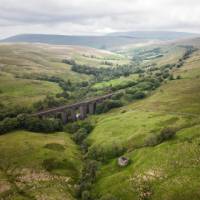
(38, 166)
(169, 170)
(41, 166)
(22, 64)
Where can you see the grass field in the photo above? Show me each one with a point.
(167, 171)
(19, 61)
(115, 82)
(15, 91)
(34, 165)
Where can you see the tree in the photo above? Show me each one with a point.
(80, 135)
(85, 195)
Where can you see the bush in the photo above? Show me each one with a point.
(104, 154)
(11, 112)
(87, 178)
(80, 135)
(117, 96)
(139, 95)
(145, 85)
(42, 125)
(49, 102)
(75, 126)
(165, 134)
(72, 127)
(131, 90)
(8, 125)
(108, 105)
(85, 195)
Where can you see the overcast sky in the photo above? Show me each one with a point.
(97, 16)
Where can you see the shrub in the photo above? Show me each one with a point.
(72, 127)
(75, 126)
(87, 178)
(11, 112)
(165, 134)
(131, 90)
(139, 95)
(8, 125)
(49, 102)
(42, 125)
(80, 135)
(145, 85)
(85, 195)
(104, 154)
(117, 96)
(86, 125)
(107, 105)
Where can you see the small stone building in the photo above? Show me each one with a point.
(123, 161)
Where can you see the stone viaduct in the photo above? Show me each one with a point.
(74, 111)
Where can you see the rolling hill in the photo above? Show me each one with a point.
(167, 170)
(55, 166)
(104, 42)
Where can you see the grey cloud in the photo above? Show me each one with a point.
(97, 16)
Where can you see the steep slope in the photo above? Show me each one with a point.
(167, 170)
(34, 165)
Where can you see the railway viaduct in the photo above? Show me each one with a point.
(74, 111)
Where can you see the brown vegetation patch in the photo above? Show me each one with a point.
(4, 186)
(142, 182)
(31, 175)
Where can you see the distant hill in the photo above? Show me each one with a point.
(102, 42)
(157, 35)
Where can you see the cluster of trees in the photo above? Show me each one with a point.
(49, 102)
(87, 179)
(29, 123)
(107, 63)
(189, 51)
(92, 158)
(104, 154)
(141, 89)
(108, 105)
(102, 73)
(65, 85)
(186, 55)
(80, 130)
(10, 112)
